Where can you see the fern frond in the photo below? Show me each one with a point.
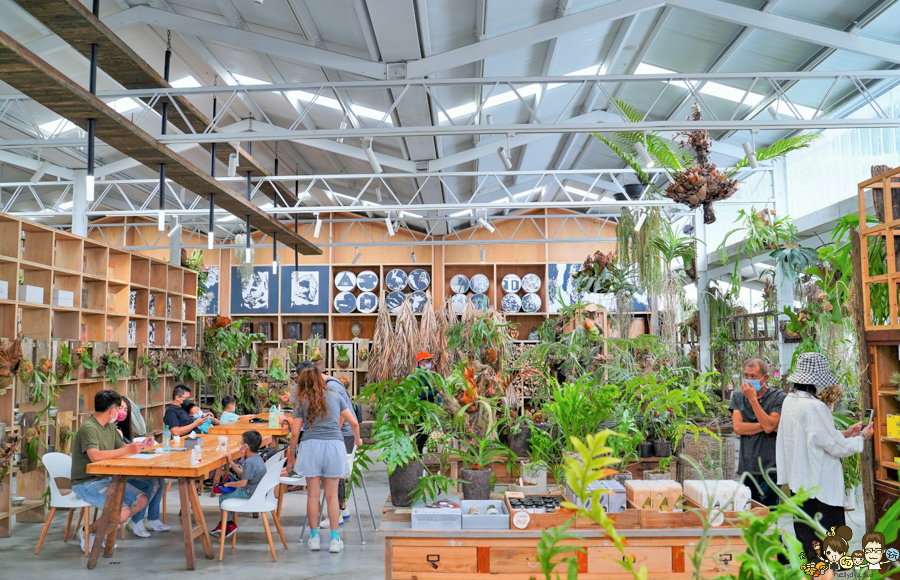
(627, 156)
(776, 150)
(630, 111)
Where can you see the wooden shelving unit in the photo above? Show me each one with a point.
(110, 290)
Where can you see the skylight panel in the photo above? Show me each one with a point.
(187, 82)
(57, 127)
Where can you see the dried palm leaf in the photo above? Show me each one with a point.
(405, 345)
(429, 330)
(446, 318)
(380, 358)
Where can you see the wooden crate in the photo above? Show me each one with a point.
(628, 519)
(518, 521)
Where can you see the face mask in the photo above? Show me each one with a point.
(755, 384)
(121, 416)
(428, 366)
(198, 415)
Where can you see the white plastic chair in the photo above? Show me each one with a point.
(262, 501)
(59, 465)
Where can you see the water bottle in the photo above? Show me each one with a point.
(166, 439)
(273, 418)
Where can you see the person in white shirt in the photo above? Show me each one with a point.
(808, 449)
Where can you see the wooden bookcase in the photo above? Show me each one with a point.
(102, 281)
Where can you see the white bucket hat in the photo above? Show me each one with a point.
(812, 369)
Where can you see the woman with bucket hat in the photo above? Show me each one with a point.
(809, 449)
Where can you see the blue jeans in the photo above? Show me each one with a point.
(240, 493)
(154, 490)
(94, 492)
(764, 495)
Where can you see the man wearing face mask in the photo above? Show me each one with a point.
(755, 412)
(180, 421)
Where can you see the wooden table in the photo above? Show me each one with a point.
(177, 465)
(242, 425)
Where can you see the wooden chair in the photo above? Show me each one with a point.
(262, 501)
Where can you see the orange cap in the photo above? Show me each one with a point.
(423, 355)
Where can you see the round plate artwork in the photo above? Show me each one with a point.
(417, 300)
(419, 280)
(345, 281)
(345, 303)
(531, 283)
(396, 280)
(511, 303)
(480, 302)
(479, 283)
(459, 284)
(511, 284)
(394, 301)
(367, 280)
(458, 302)
(531, 303)
(367, 302)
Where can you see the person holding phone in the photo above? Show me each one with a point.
(755, 413)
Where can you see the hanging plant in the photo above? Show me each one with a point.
(633, 253)
(195, 262)
(245, 258)
(116, 367)
(276, 371)
(600, 275)
(63, 363)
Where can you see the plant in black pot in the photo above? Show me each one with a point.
(400, 416)
(625, 442)
(658, 431)
(477, 457)
(516, 430)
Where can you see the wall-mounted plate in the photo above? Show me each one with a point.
(394, 301)
(367, 302)
(531, 303)
(459, 284)
(345, 281)
(458, 302)
(367, 280)
(511, 303)
(417, 300)
(531, 283)
(419, 280)
(481, 302)
(345, 303)
(396, 280)
(479, 283)
(511, 284)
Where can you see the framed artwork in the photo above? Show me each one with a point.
(304, 290)
(258, 295)
(561, 279)
(209, 304)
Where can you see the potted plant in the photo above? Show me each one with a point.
(516, 430)
(477, 458)
(545, 451)
(343, 356)
(657, 432)
(625, 443)
(400, 415)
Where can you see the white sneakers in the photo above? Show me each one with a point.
(81, 543)
(137, 528)
(326, 524)
(345, 513)
(315, 544)
(155, 526)
(335, 546)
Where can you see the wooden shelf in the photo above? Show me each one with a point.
(26, 505)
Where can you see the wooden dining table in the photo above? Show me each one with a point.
(172, 465)
(242, 425)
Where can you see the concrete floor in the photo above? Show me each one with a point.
(162, 556)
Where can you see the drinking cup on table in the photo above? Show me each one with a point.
(223, 443)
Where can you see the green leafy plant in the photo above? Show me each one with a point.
(152, 373)
(579, 408)
(63, 363)
(116, 367)
(223, 346)
(276, 371)
(195, 262)
(480, 454)
(433, 485)
(343, 355)
(87, 361)
(189, 371)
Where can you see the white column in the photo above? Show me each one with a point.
(702, 282)
(80, 203)
(783, 286)
(175, 248)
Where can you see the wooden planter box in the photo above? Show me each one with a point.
(535, 521)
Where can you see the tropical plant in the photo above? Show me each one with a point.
(433, 485)
(400, 415)
(599, 274)
(195, 262)
(343, 355)
(223, 346)
(485, 337)
(480, 454)
(116, 367)
(276, 371)
(580, 407)
(633, 252)
(189, 371)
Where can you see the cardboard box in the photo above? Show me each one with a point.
(482, 521)
(426, 518)
(658, 495)
(63, 298)
(31, 294)
(4, 290)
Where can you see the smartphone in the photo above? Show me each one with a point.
(867, 417)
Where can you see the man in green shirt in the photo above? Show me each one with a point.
(99, 440)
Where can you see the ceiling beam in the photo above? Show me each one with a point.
(528, 36)
(805, 31)
(27, 73)
(36, 165)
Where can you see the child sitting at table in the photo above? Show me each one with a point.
(194, 410)
(254, 468)
(228, 415)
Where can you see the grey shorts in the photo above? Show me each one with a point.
(321, 458)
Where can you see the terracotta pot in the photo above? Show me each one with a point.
(403, 481)
(479, 486)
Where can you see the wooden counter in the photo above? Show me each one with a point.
(241, 425)
(512, 555)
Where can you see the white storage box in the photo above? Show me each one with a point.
(63, 298)
(31, 294)
(4, 290)
(613, 499)
(725, 494)
(438, 518)
(482, 521)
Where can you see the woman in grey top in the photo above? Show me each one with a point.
(321, 452)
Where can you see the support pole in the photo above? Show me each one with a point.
(79, 203)
(783, 287)
(703, 294)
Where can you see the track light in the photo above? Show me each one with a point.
(175, 229)
(232, 164)
(370, 154)
(390, 226)
(357, 256)
(640, 222)
(504, 157)
(89, 185)
(412, 254)
(343, 126)
(274, 254)
(318, 229)
(751, 155)
(481, 250)
(489, 119)
(485, 224)
(211, 233)
(773, 112)
(378, 193)
(162, 197)
(645, 156)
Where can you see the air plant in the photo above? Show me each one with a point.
(276, 371)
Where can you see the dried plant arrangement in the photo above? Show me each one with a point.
(430, 331)
(406, 342)
(446, 318)
(382, 344)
